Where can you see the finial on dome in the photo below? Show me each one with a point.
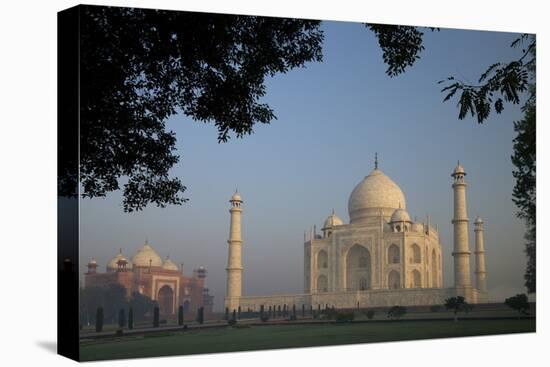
(120, 250)
(333, 211)
(376, 160)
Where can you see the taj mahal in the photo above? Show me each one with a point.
(380, 258)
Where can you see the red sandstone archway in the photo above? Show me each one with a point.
(166, 300)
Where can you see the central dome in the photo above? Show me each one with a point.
(146, 256)
(374, 194)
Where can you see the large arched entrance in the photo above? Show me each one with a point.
(166, 300)
(358, 268)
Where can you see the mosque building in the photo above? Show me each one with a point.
(380, 258)
(160, 280)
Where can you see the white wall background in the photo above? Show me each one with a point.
(28, 184)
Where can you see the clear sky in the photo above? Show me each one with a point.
(331, 119)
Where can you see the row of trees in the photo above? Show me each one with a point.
(123, 322)
(112, 299)
(455, 304)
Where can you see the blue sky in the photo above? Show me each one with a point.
(331, 119)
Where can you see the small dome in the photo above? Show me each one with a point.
(478, 220)
(332, 221)
(146, 256)
(459, 170)
(169, 265)
(400, 215)
(92, 262)
(113, 264)
(236, 197)
(374, 193)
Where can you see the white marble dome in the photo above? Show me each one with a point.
(146, 253)
(169, 265)
(332, 220)
(374, 193)
(400, 215)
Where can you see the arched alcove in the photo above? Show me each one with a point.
(358, 266)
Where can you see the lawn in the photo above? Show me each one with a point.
(291, 336)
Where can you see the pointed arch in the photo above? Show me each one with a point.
(416, 254)
(416, 279)
(322, 260)
(358, 266)
(394, 280)
(394, 257)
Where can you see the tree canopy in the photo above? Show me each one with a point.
(140, 66)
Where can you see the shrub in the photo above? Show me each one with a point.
(185, 327)
(156, 317)
(131, 318)
(232, 322)
(200, 315)
(180, 315)
(99, 320)
(345, 317)
(396, 312)
(265, 318)
(119, 332)
(369, 314)
(163, 322)
(121, 318)
(519, 302)
(292, 318)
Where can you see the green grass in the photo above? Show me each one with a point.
(292, 336)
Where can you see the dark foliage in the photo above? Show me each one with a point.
(142, 306)
(121, 318)
(180, 315)
(524, 159)
(232, 322)
(519, 303)
(370, 314)
(131, 318)
(99, 320)
(200, 315)
(140, 66)
(401, 45)
(396, 312)
(344, 316)
(156, 320)
(457, 304)
(111, 299)
(501, 82)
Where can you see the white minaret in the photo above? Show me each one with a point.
(461, 251)
(234, 263)
(480, 273)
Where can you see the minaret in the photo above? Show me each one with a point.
(480, 273)
(234, 264)
(461, 251)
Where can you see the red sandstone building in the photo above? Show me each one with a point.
(160, 280)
